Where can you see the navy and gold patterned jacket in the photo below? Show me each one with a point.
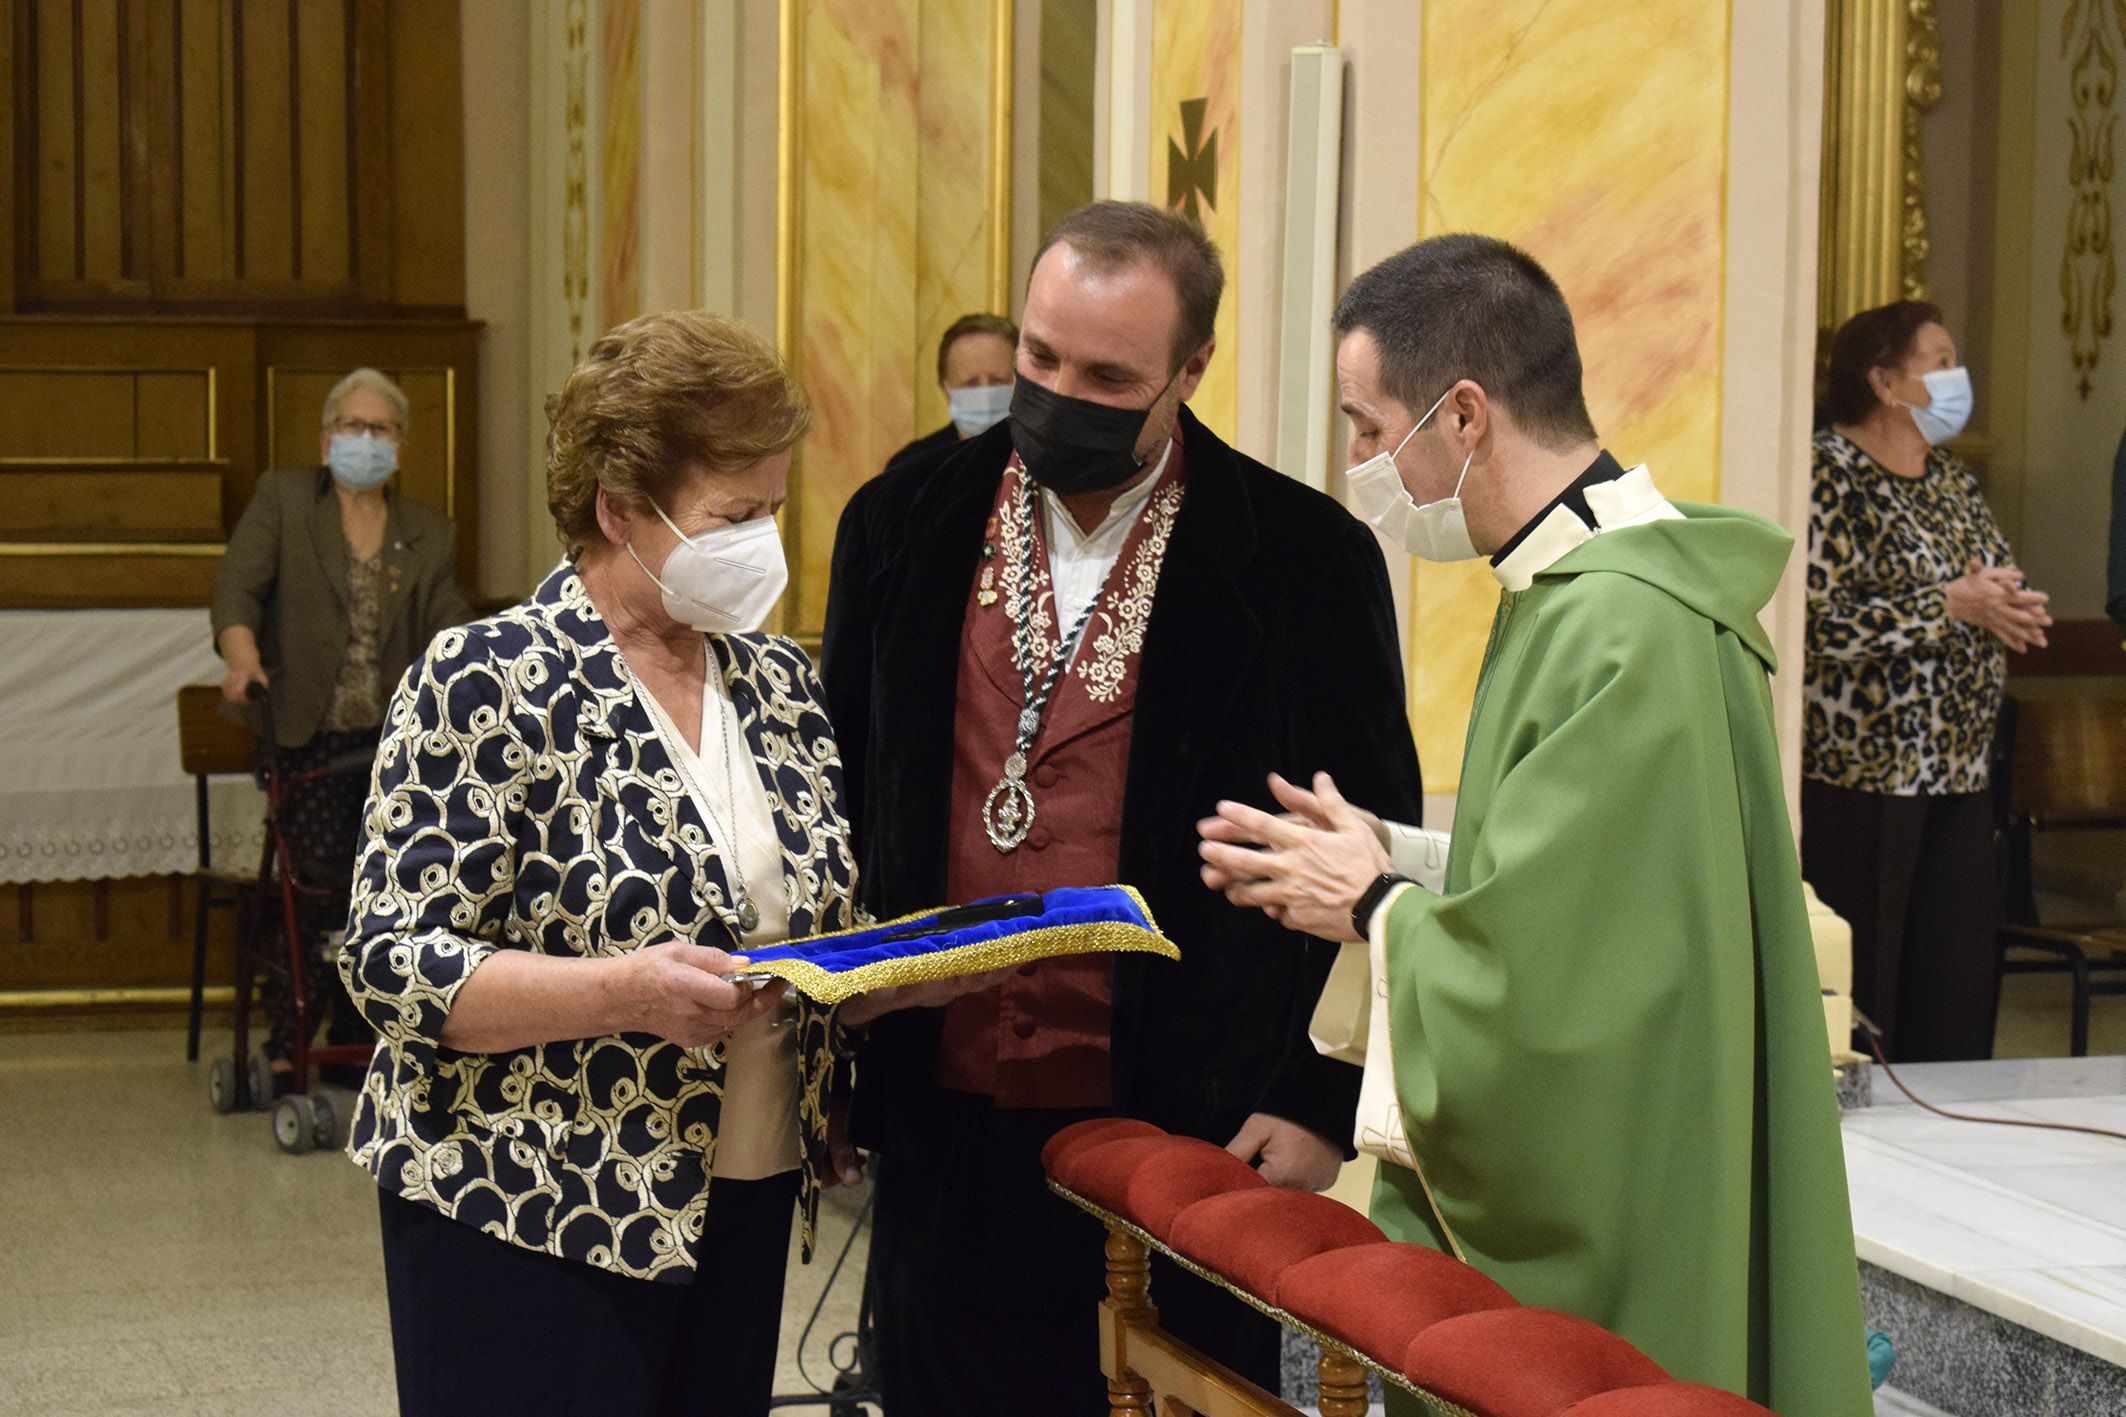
(523, 801)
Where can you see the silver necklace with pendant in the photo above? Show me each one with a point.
(1008, 811)
(748, 912)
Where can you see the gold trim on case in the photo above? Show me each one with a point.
(1051, 942)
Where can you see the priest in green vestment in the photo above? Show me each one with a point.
(1608, 1046)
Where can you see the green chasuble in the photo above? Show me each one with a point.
(1607, 1030)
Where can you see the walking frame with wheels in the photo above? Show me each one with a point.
(302, 1120)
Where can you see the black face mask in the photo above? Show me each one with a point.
(1072, 445)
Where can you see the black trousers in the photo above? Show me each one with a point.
(479, 1325)
(1915, 878)
(987, 1285)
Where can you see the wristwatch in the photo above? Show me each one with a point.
(1362, 913)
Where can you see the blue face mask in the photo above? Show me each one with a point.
(1949, 405)
(978, 407)
(360, 461)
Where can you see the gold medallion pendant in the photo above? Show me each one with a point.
(1008, 811)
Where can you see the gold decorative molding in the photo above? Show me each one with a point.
(789, 242)
(1922, 91)
(576, 174)
(2088, 268)
(1882, 75)
(214, 996)
(1003, 54)
(111, 548)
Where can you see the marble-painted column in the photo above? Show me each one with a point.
(887, 235)
(1595, 136)
(565, 202)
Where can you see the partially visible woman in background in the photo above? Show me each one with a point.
(1913, 606)
(331, 586)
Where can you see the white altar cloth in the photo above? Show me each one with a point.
(90, 783)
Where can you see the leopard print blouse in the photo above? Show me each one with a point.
(1900, 699)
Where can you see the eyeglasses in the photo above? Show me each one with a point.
(363, 425)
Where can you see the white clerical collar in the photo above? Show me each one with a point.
(1124, 506)
(1630, 500)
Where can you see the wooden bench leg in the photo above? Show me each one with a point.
(1129, 1299)
(1343, 1386)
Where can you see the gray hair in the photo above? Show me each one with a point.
(376, 383)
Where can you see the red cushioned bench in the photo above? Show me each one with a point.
(1424, 1321)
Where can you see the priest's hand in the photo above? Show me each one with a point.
(1305, 870)
(1287, 1154)
(932, 994)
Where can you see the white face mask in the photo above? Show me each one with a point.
(724, 581)
(978, 407)
(1436, 531)
(1949, 409)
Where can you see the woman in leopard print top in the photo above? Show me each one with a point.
(1913, 606)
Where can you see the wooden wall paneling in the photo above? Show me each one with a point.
(265, 209)
(137, 85)
(191, 384)
(427, 157)
(54, 191)
(160, 504)
(171, 417)
(13, 16)
(294, 157)
(198, 157)
(123, 940)
(66, 413)
(319, 46)
(98, 122)
(58, 577)
(369, 180)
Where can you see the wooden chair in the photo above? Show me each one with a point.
(2065, 762)
(210, 744)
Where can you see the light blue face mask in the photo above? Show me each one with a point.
(360, 461)
(1949, 404)
(978, 407)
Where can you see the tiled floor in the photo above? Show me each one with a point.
(156, 1258)
(160, 1259)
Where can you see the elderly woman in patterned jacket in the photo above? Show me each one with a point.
(1913, 607)
(588, 1138)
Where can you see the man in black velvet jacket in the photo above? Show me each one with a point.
(1270, 647)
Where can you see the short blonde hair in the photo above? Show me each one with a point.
(377, 383)
(657, 397)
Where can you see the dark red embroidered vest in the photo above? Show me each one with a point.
(1041, 1038)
